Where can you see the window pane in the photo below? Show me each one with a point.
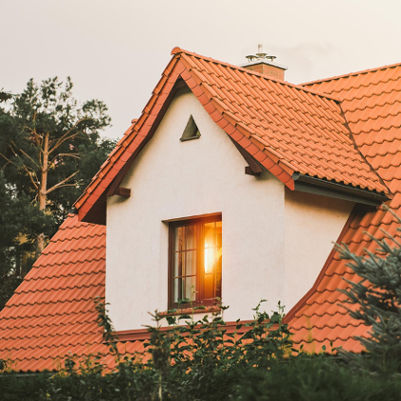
(185, 238)
(185, 289)
(179, 238)
(185, 259)
(189, 237)
(178, 264)
(189, 289)
(212, 246)
(212, 260)
(190, 263)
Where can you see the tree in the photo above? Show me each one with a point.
(50, 148)
(378, 298)
(20, 222)
(49, 138)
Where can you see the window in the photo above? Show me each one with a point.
(195, 262)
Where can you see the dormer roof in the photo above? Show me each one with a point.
(288, 129)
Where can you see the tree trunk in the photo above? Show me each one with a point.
(43, 187)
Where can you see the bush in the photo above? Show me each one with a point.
(19, 387)
(377, 294)
(204, 360)
(314, 378)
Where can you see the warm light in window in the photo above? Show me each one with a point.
(210, 258)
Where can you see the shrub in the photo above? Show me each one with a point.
(377, 295)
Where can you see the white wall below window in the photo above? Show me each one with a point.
(266, 250)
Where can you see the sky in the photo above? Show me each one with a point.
(116, 50)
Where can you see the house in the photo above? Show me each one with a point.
(232, 184)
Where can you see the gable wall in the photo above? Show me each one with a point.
(275, 242)
(172, 179)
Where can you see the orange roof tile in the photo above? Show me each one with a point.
(371, 101)
(51, 314)
(284, 127)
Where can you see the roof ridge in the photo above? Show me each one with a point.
(178, 50)
(350, 74)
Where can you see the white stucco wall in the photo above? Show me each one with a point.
(274, 241)
(312, 225)
(172, 179)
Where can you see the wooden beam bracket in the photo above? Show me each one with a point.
(123, 192)
(253, 170)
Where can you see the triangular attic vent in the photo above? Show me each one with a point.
(191, 131)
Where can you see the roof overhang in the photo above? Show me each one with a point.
(306, 183)
(182, 73)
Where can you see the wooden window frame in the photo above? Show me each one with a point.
(198, 222)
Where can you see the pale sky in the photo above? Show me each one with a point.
(115, 50)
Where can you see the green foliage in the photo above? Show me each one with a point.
(74, 141)
(104, 321)
(300, 378)
(206, 360)
(186, 359)
(20, 221)
(23, 387)
(314, 378)
(76, 150)
(194, 357)
(377, 295)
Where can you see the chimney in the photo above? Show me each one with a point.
(264, 64)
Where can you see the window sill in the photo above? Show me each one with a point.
(191, 310)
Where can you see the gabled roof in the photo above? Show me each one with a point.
(52, 313)
(286, 128)
(371, 101)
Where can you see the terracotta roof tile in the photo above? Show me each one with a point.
(372, 105)
(286, 127)
(51, 314)
(304, 129)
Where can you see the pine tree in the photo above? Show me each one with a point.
(50, 148)
(377, 295)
